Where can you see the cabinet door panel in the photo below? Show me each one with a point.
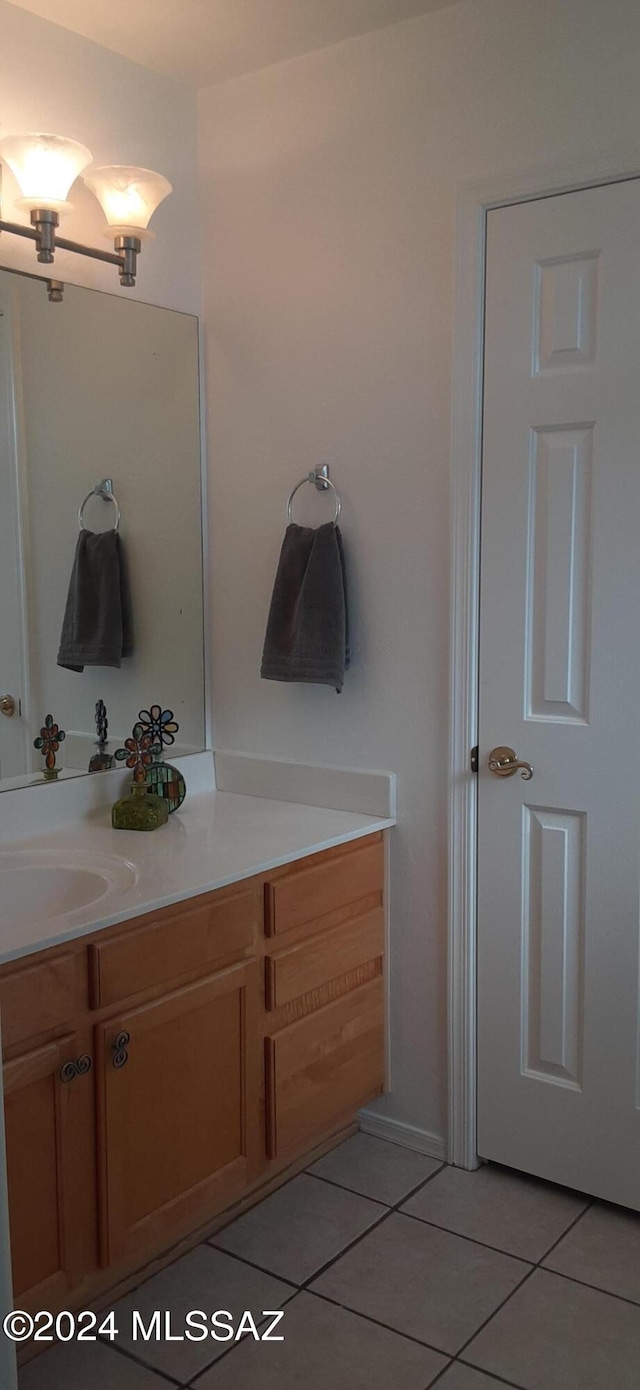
(50, 1174)
(323, 1067)
(179, 1117)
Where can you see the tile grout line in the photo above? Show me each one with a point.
(389, 1211)
(305, 1287)
(517, 1289)
(499, 1380)
(353, 1191)
(368, 1317)
(331, 1182)
(595, 1288)
(321, 1269)
(296, 1288)
(397, 1209)
(130, 1356)
(192, 1385)
(241, 1259)
(411, 1191)
(497, 1249)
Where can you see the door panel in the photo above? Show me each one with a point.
(51, 1174)
(559, 862)
(179, 1106)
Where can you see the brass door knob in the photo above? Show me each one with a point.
(503, 762)
(7, 705)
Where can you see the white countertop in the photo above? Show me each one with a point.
(216, 839)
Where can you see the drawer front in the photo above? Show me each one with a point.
(161, 951)
(312, 963)
(40, 998)
(317, 892)
(323, 1068)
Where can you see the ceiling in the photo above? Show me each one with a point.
(207, 41)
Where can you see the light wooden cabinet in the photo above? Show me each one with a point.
(222, 1040)
(178, 1110)
(51, 1172)
(324, 990)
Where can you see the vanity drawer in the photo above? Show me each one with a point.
(329, 887)
(41, 998)
(173, 943)
(312, 963)
(324, 1067)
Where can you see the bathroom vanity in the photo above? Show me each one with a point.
(171, 1062)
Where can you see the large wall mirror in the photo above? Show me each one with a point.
(97, 387)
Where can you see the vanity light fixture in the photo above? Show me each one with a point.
(45, 166)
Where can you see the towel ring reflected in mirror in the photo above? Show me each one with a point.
(321, 480)
(103, 489)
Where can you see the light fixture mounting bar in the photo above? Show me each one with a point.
(125, 258)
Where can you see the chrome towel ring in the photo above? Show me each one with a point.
(103, 489)
(321, 480)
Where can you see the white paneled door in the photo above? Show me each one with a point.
(559, 852)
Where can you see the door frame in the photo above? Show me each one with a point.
(473, 202)
(11, 391)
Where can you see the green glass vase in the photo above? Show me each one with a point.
(140, 810)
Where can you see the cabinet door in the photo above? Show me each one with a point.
(178, 1110)
(51, 1178)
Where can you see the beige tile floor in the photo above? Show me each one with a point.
(393, 1272)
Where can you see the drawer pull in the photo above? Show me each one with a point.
(70, 1070)
(119, 1048)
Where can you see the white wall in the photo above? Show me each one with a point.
(51, 79)
(329, 189)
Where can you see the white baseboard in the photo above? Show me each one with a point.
(409, 1136)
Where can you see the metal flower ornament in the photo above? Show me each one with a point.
(138, 752)
(51, 736)
(159, 724)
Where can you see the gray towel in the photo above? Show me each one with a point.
(307, 636)
(96, 630)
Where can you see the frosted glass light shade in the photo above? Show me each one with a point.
(44, 166)
(128, 197)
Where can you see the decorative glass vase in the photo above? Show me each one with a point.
(140, 810)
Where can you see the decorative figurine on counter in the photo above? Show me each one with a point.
(101, 761)
(48, 743)
(163, 779)
(142, 809)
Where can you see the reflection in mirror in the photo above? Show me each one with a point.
(97, 387)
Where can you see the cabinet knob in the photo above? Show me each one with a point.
(70, 1070)
(119, 1049)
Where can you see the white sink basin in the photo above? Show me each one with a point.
(38, 885)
